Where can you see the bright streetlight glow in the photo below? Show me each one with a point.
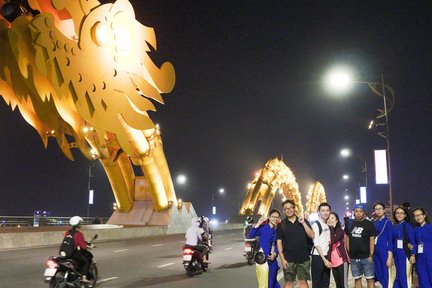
(345, 152)
(345, 177)
(346, 197)
(339, 80)
(181, 179)
(221, 190)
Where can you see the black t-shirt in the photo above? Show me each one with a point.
(294, 241)
(359, 233)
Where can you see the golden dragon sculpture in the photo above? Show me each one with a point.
(276, 177)
(80, 72)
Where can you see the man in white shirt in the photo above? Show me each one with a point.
(320, 266)
(194, 238)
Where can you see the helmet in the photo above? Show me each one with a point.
(75, 220)
(205, 219)
(196, 220)
(249, 219)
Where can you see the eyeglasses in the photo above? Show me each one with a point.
(276, 217)
(400, 213)
(288, 208)
(379, 208)
(418, 215)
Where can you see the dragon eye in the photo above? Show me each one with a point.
(100, 34)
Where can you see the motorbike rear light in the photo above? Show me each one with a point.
(187, 251)
(51, 264)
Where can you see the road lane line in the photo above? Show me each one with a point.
(121, 250)
(107, 279)
(164, 265)
(157, 245)
(229, 248)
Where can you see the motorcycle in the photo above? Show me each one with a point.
(193, 261)
(250, 249)
(64, 272)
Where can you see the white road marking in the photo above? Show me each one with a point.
(107, 279)
(182, 241)
(164, 265)
(157, 245)
(219, 236)
(229, 248)
(121, 250)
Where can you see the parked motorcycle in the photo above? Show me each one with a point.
(193, 261)
(250, 249)
(64, 272)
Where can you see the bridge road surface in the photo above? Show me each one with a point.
(145, 262)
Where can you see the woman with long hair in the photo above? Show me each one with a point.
(383, 253)
(404, 248)
(423, 236)
(338, 255)
(265, 229)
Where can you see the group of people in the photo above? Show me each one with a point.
(309, 251)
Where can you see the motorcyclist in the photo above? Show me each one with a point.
(81, 255)
(194, 238)
(248, 224)
(208, 233)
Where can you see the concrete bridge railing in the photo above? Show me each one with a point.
(18, 238)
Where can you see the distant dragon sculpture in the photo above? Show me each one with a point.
(315, 197)
(80, 72)
(275, 177)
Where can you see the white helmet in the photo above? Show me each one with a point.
(75, 220)
(196, 220)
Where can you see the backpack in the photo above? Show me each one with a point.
(67, 246)
(311, 245)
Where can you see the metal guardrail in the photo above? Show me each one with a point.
(37, 221)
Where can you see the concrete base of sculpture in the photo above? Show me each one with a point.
(176, 219)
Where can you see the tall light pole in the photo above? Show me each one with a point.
(341, 80)
(345, 152)
(221, 191)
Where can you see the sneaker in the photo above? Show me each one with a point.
(206, 261)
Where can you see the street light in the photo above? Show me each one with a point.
(345, 152)
(345, 177)
(221, 191)
(340, 80)
(181, 180)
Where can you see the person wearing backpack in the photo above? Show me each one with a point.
(404, 248)
(320, 265)
(292, 243)
(81, 255)
(361, 244)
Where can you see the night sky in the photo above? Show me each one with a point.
(249, 88)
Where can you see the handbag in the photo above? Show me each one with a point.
(260, 257)
(335, 257)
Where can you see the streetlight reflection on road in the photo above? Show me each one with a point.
(340, 80)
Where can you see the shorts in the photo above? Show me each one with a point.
(360, 267)
(301, 271)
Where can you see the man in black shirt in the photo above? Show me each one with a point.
(292, 235)
(361, 243)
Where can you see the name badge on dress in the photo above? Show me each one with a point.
(376, 240)
(420, 248)
(399, 244)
